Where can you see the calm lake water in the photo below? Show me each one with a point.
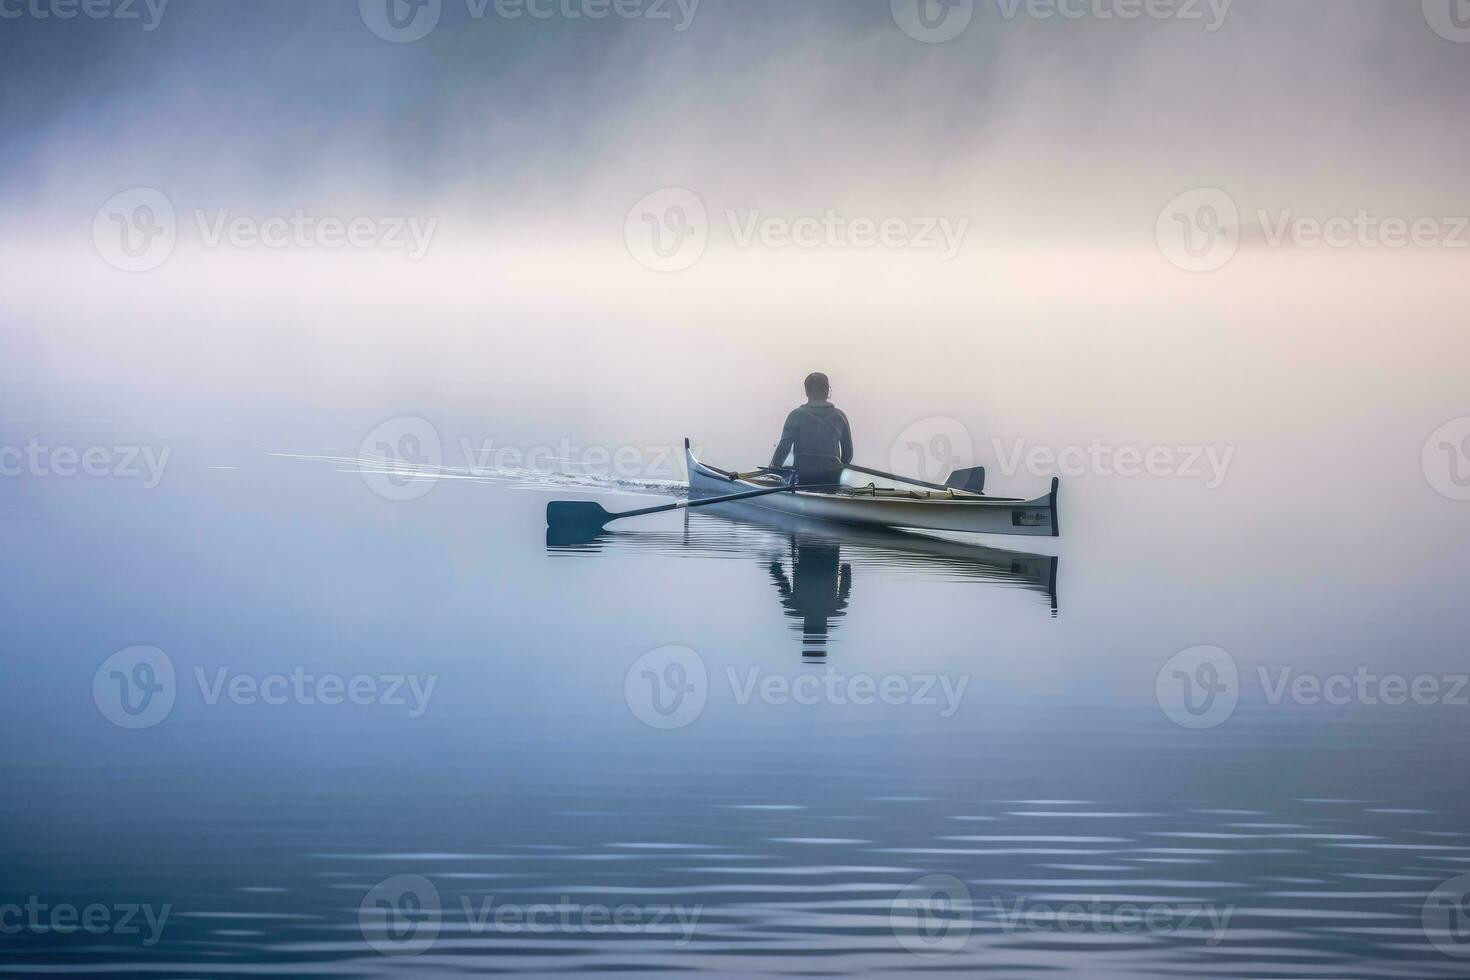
(715, 743)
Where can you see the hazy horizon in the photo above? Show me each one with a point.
(523, 147)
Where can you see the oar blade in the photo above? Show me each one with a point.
(576, 515)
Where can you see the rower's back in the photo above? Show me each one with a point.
(816, 437)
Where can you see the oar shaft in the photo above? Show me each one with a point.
(728, 498)
(566, 514)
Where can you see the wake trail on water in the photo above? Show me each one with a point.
(516, 477)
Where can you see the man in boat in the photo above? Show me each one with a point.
(816, 437)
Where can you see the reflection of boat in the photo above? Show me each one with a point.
(921, 554)
(744, 530)
(874, 499)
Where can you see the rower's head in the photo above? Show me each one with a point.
(818, 387)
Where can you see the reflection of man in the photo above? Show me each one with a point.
(817, 590)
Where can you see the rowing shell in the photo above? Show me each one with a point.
(874, 499)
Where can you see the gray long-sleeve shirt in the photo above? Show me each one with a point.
(819, 435)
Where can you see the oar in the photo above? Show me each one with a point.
(586, 515)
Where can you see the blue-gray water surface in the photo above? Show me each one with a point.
(262, 720)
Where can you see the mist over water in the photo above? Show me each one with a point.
(527, 141)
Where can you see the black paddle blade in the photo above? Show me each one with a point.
(967, 481)
(581, 515)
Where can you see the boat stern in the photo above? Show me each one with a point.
(1056, 489)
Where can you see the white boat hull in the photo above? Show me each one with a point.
(871, 499)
